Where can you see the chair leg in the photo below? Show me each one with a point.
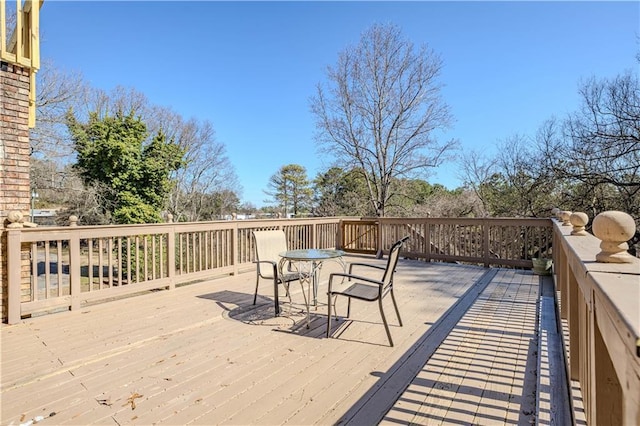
(255, 294)
(384, 321)
(329, 316)
(276, 300)
(349, 308)
(395, 305)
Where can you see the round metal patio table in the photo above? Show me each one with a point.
(309, 263)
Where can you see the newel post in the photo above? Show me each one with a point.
(485, 242)
(15, 264)
(75, 265)
(314, 235)
(614, 229)
(14, 267)
(234, 247)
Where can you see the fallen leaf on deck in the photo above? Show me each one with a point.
(132, 400)
(106, 402)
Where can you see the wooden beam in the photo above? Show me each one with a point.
(3, 27)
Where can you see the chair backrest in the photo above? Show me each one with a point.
(268, 244)
(392, 261)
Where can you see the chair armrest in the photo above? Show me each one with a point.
(270, 262)
(351, 265)
(355, 277)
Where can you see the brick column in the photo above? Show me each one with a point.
(14, 156)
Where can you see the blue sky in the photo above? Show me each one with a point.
(251, 67)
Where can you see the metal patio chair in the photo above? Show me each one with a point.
(268, 244)
(368, 289)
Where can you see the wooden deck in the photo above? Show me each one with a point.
(203, 354)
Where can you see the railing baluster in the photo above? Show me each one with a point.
(59, 266)
(119, 244)
(90, 262)
(100, 263)
(129, 253)
(171, 257)
(47, 270)
(161, 259)
(145, 257)
(110, 261)
(137, 257)
(75, 266)
(35, 275)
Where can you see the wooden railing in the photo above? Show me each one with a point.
(489, 241)
(67, 267)
(600, 313)
(360, 236)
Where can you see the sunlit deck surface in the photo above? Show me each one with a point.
(203, 354)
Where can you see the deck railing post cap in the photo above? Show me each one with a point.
(578, 220)
(564, 216)
(15, 219)
(614, 229)
(169, 218)
(555, 212)
(73, 220)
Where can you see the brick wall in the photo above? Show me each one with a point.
(14, 156)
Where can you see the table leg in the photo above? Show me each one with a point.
(315, 268)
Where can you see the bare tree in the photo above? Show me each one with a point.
(207, 170)
(58, 91)
(603, 137)
(120, 99)
(476, 169)
(459, 203)
(380, 109)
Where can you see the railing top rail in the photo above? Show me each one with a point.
(471, 220)
(248, 223)
(618, 282)
(96, 231)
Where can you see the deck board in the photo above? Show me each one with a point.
(203, 354)
(482, 372)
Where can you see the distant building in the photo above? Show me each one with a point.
(44, 217)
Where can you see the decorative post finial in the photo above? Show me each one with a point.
(614, 229)
(16, 220)
(73, 220)
(564, 216)
(555, 212)
(169, 218)
(579, 220)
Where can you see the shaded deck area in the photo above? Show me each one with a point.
(203, 354)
